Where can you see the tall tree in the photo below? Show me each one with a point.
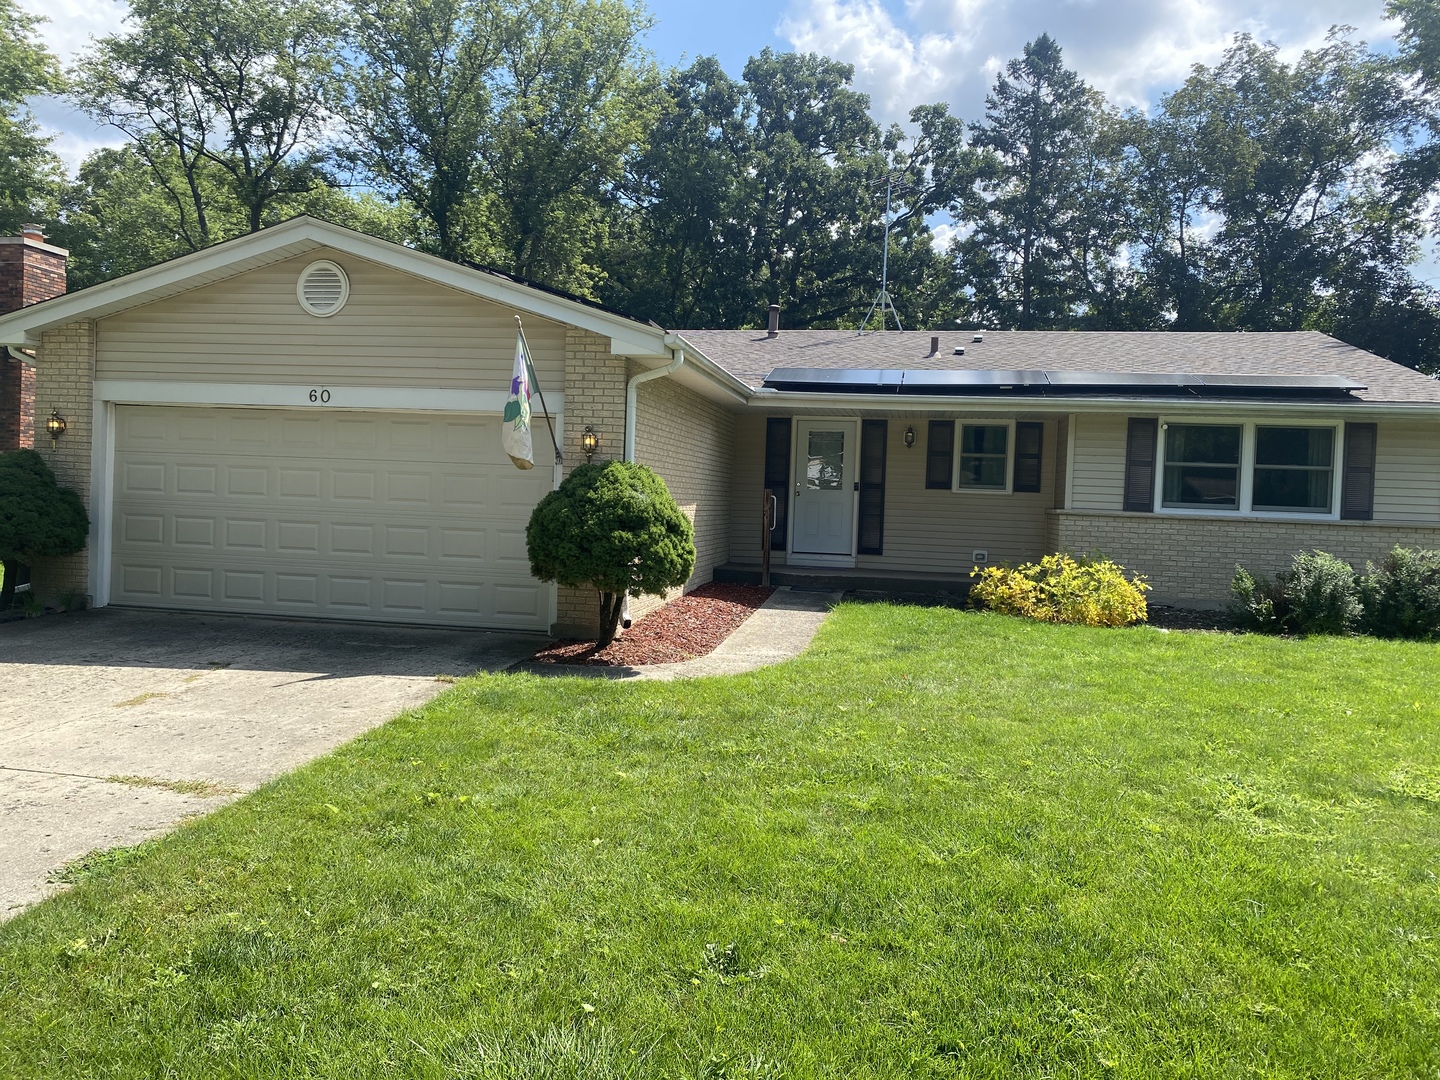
(1041, 123)
(215, 94)
(419, 93)
(1298, 167)
(29, 172)
(575, 98)
(679, 251)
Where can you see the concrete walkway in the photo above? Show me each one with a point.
(781, 629)
(115, 725)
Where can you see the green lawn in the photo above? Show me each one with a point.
(939, 844)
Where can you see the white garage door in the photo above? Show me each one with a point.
(377, 516)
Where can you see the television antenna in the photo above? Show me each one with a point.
(882, 300)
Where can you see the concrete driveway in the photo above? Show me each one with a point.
(115, 725)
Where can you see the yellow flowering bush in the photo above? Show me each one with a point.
(1064, 589)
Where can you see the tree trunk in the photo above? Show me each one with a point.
(610, 607)
(7, 590)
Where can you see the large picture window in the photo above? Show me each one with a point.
(1250, 468)
(1294, 469)
(984, 457)
(1202, 466)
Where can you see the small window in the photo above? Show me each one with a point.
(984, 457)
(1202, 467)
(1294, 470)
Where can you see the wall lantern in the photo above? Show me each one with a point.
(589, 442)
(55, 427)
(910, 437)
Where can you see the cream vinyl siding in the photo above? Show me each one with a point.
(391, 517)
(1407, 466)
(1099, 468)
(394, 330)
(1407, 472)
(926, 531)
(937, 532)
(746, 489)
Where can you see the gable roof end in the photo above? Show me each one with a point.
(297, 236)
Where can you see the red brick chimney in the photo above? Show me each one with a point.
(30, 271)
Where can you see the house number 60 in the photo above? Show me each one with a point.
(322, 396)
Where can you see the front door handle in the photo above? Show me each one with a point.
(797, 489)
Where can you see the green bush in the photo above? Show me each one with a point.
(1401, 596)
(616, 528)
(38, 518)
(1064, 589)
(1317, 595)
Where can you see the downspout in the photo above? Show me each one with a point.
(630, 394)
(630, 411)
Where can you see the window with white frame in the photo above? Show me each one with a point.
(984, 458)
(1294, 470)
(1202, 466)
(1263, 468)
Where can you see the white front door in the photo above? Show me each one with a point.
(824, 488)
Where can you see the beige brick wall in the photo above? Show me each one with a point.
(64, 383)
(594, 396)
(688, 440)
(682, 436)
(1191, 560)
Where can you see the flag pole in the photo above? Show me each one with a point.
(535, 381)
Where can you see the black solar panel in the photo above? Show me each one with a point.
(930, 381)
(1117, 379)
(1030, 382)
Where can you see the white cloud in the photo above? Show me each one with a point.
(71, 26)
(951, 50)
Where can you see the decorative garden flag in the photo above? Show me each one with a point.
(515, 427)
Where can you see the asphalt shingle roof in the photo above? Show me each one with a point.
(750, 355)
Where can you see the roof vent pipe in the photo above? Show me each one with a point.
(935, 346)
(774, 327)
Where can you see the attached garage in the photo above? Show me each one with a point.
(305, 422)
(400, 517)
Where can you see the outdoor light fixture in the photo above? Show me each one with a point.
(910, 437)
(55, 426)
(589, 442)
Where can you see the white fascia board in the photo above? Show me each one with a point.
(791, 401)
(24, 327)
(696, 358)
(284, 396)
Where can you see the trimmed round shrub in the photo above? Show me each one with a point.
(1064, 589)
(1401, 596)
(1317, 595)
(38, 518)
(615, 528)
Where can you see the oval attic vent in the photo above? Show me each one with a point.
(323, 289)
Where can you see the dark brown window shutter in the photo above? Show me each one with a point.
(873, 437)
(1140, 464)
(777, 475)
(1357, 486)
(1029, 438)
(940, 454)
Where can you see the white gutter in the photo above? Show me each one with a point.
(630, 395)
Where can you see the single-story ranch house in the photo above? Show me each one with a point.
(306, 421)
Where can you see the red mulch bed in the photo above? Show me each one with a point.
(687, 627)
